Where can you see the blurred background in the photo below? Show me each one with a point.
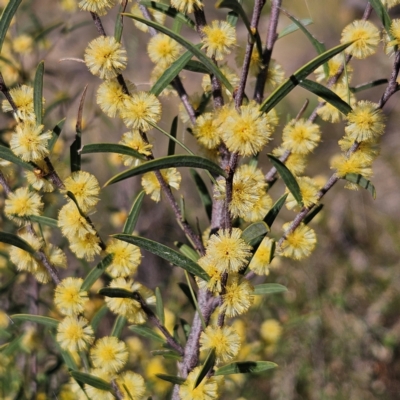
(335, 333)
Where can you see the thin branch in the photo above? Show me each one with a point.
(98, 23)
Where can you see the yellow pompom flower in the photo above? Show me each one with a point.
(334, 65)
(21, 204)
(22, 259)
(206, 131)
(131, 385)
(298, 244)
(225, 340)
(105, 57)
(99, 7)
(84, 187)
(206, 390)
(238, 297)
(218, 39)
(228, 251)
(29, 142)
(157, 15)
(365, 122)
(370, 150)
(140, 110)
(134, 140)
(163, 50)
(275, 75)
(214, 284)
(366, 38)
(96, 393)
(248, 132)
(36, 177)
(22, 44)
(126, 258)
(301, 136)
(23, 99)
(390, 3)
(109, 354)
(152, 187)
(271, 331)
(309, 191)
(259, 209)
(356, 163)
(296, 163)
(86, 246)
(68, 297)
(74, 334)
(262, 258)
(111, 97)
(186, 6)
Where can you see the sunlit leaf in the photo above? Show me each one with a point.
(176, 380)
(159, 306)
(111, 148)
(134, 213)
(245, 367)
(206, 367)
(362, 182)
(255, 233)
(368, 85)
(187, 251)
(91, 380)
(269, 288)
(38, 93)
(46, 321)
(147, 333)
(119, 324)
(6, 17)
(293, 27)
(44, 220)
(383, 15)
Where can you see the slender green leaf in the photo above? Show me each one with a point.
(383, 15)
(206, 367)
(245, 367)
(168, 162)
(187, 251)
(326, 94)
(8, 349)
(287, 177)
(116, 293)
(44, 220)
(111, 148)
(176, 380)
(171, 73)
(119, 324)
(286, 87)
(269, 288)
(134, 213)
(75, 201)
(212, 68)
(97, 318)
(368, 85)
(274, 211)
(6, 18)
(91, 380)
(38, 93)
(55, 134)
(46, 31)
(168, 354)
(39, 319)
(186, 291)
(15, 240)
(361, 181)
(195, 66)
(119, 24)
(96, 272)
(7, 154)
(159, 306)
(203, 192)
(147, 333)
(170, 11)
(255, 233)
(185, 327)
(171, 143)
(313, 213)
(166, 253)
(294, 27)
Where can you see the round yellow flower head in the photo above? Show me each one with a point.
(152, 186)
(68, 297)
(356, 163)
(163, 50)
(300, 243)
(23, 99)
(262, 258)
(218, 39)
(131, 385)
(238, 297)
(366, 36)
(23, 44)
(206, 390)
(370, 150)
(96, 393)
(99, 7)
(22, 259)
(105, 57)
(134, 140)
(275, 75)
(309, 191)
(86, 246)
(214, 284)
(22, 203)
(109, 354)
(74, 334)
(301, 136)
(206, 131)
(271, 330)
(186, 6)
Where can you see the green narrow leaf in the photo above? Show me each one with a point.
(186, 291)
(119, 24)
(383, 15)
(7, 154)
(176, 380)
(177, 26)
(44, 220)
(15, 240)
(287, 177)
(274, 211)
(361, 181)
(159, 306)
(8, 349)
(43, 33)
(206, 367)
(294, 27)
(119, 324)
(195, 66)
(166, 253)
(269, 288)
(91, 380)
(95, 273)
(6, 18)
(171, 143)
(368, 85)
(255, 233)
(212, 68)
(38, 93)
(55, 134)
(134, 213)
(118, 293)
(46, 321)
(328, 95)
(147, 333)
(203, 192)
(168, 162)
(168, 354)
(111, 148)
(170, 11)
(95, 321)
(245, 367)
(313, 213)
(187, 251)
(185, 327)
(286, 87)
